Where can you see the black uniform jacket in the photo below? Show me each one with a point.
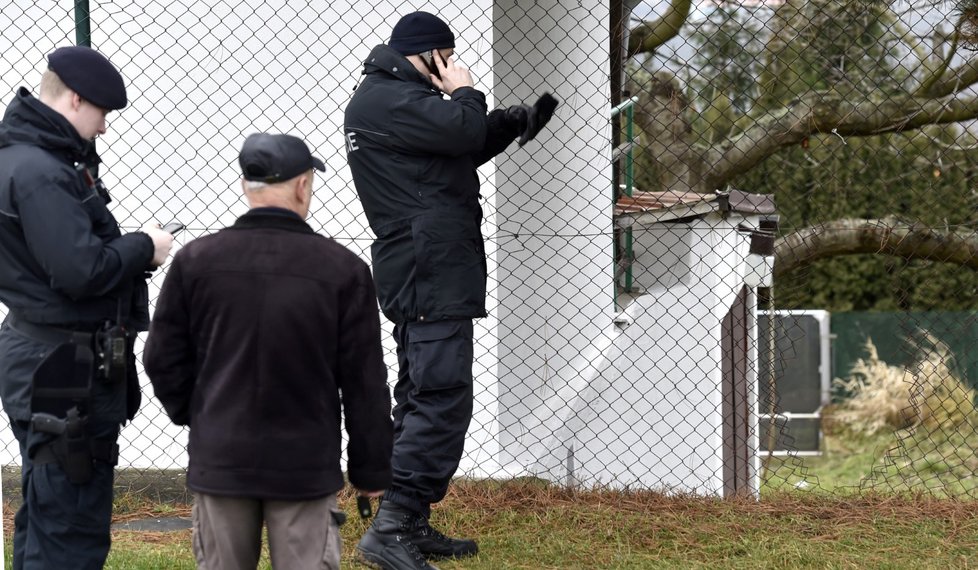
(257, 330)
(413, 155)
(63, 260)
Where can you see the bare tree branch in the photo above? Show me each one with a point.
(956, 80)
(649, 35)
(886, 236)
(937, 74)
(828, 113)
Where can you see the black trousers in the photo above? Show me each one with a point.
(433, 409)
(60, 524)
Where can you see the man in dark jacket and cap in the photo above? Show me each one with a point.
(76, 294)
(413, 155)
(263, 333)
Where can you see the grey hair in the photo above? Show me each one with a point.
(254, 185)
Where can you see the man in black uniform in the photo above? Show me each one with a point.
(76, 294)
(413, 155)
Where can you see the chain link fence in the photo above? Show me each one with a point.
(714, 167)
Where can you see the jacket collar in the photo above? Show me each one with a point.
(262, 218)
(387, 61)
(29, 121)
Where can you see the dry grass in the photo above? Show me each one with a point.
(928, 394)
(534, 496)
(523, 524)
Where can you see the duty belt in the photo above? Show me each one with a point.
(105, 451)
(47, 334)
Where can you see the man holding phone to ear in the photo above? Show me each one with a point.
(413, 154)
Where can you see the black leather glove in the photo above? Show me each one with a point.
(530, 120)
(516, 117)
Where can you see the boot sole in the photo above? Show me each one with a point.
(450, 556)
(370, 560)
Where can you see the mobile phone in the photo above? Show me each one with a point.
(363, 505)
(428, 57)
(173, 227)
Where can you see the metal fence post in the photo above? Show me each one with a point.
(83, 24)
(624, 151)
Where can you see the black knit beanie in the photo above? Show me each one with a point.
(421, 31)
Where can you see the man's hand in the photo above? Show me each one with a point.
(518, 116)
(538, 116)
(528, 121)
(162, 242)
(452, 76)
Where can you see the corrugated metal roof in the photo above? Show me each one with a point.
(650, 207)
(648, 201)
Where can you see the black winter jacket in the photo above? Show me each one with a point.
(261, 331)
(63, 260)
(413, 155)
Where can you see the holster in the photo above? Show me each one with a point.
(61, 391)
(64, 378)
(71, 448)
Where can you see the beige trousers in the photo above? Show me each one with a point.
(302, 535)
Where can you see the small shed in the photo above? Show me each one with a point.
(666, 397)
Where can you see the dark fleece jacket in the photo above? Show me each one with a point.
(261, 332)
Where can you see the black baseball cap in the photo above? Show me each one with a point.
(275, 158)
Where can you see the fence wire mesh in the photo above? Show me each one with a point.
(721, 182)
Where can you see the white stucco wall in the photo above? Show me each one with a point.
(645, 407)
(554, 207)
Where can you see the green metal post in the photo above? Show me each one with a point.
(83, 24)
(630, 137)
(629, 185)
(627, 106)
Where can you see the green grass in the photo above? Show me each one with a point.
(943, 463)
(846, 462)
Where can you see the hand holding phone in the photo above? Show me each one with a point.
(429, 60)
(173, 227)
(162, 242)
(448, 76)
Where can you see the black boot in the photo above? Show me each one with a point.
(387, 543)
(434, 544)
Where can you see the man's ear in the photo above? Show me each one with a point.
(301, 184)
(76, 101)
